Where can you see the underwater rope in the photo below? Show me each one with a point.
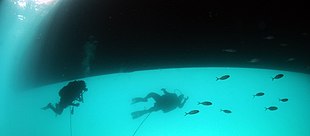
(141, 124)
(71, 121)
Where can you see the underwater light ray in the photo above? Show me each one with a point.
(20, 23)
(22, 3)
(23, 21)
(39, 2)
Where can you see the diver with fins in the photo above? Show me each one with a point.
(70, 95)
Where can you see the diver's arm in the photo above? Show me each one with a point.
(165, 91)
(85, 89)
(182, 104)
(75, 104)
(81, 98)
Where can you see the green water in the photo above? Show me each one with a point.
(106, 110)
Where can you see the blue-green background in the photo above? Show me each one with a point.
(107, 108)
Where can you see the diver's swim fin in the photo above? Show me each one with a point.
(138, 114)
(138, 99)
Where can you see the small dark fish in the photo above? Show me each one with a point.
(283, 100)
(291, 59)
(223, 77)
(277, 76)
(229, 50)
(205, 103)
(254, 60)
(259, 94)
(271, 108)
(226, 111)
(270, 37)
(191, 112)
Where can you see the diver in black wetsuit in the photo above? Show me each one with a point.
(166, 102)
(69, 94)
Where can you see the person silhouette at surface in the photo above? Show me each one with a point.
(70, 95)
(166, 102)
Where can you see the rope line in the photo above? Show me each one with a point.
(141, 124)
(71, 121)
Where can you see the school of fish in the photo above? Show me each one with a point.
(227, 111)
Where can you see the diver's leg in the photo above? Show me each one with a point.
(138, 99)
(53, 108)
(57, 109)
(48, 106)
(140, 113)
(154, 108)
(155, 96)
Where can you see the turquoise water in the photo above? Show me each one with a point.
(107, 106)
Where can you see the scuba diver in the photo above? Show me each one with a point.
(70, 95)
(166, 102)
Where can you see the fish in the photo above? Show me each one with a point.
(191, 112)
(271, 108)
(229, 50)
(226, 111)
(277, 76)
(259, 94)
(270, 37)
(254, 60)
(283, 44)
(304, 34)
(291, 59)
(223, 77)
(205, 103)
(283, 100)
